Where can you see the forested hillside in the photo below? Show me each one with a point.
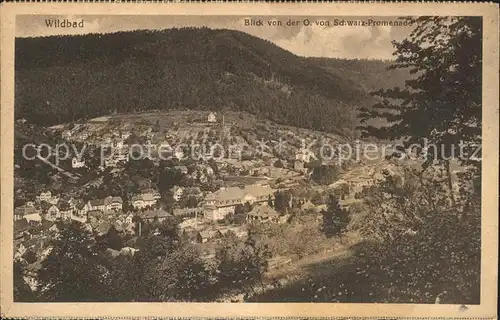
(370, 75)
(68, 78)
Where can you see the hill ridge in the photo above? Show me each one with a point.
(84, 76)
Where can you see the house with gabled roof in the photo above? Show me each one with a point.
(79, 207)
(159, 214)
(128, 250)
(53, 213)
(33, 218)
(67, 134)
(105, 204)
(118, 225)
(129, 219)
(112, 252)
(44, 196)
(263, 214)
(116, 203)
(24, 210)
(54, 199)
(96, 204)
(65, 209)
(207, 235)
(187, 212)
(156, 195)
(259, 193)
(143, 200)
(177, 192)
(223, 202)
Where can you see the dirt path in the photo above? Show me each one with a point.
(300, 266)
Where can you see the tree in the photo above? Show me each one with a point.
(419, 245)
(169, 230)
(164, 269)
(240, 264)
(73, 271)
(416, 248)
(185, 277)
(282, 201)
(443, 103)
(211, 162)
(167, 200)
(324, 174)
(114, 240)
(335, 219)
(128, 278)
(239, 209)
(190, 201)
(278, 164)
(35, 229)
(126, 206)
(30, 256)
(304, 238)
(169, 178)
(270, 201)
(247, 206)
(22, 291)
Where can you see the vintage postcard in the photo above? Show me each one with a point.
(256, 160)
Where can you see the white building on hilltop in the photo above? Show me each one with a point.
(212, 118)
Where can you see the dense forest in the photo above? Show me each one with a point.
(69, 78)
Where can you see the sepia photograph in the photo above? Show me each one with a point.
(249, 159)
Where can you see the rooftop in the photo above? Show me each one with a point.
(208, 233)
(116, 199)
(225, 194)
(263, 212)
(258, 190)
(25, 210)
(151, 214)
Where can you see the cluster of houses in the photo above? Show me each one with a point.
(214, 206)
(52, 207)
(198, 221)
(118, 141)
(100, 214)
(147, 198)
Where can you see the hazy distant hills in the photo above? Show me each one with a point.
(66, 78)
(369, 75)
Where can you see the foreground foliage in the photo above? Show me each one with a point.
(166, 268)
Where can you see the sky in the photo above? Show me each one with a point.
(352, 42)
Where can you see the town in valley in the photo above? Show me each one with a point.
(225, 168)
